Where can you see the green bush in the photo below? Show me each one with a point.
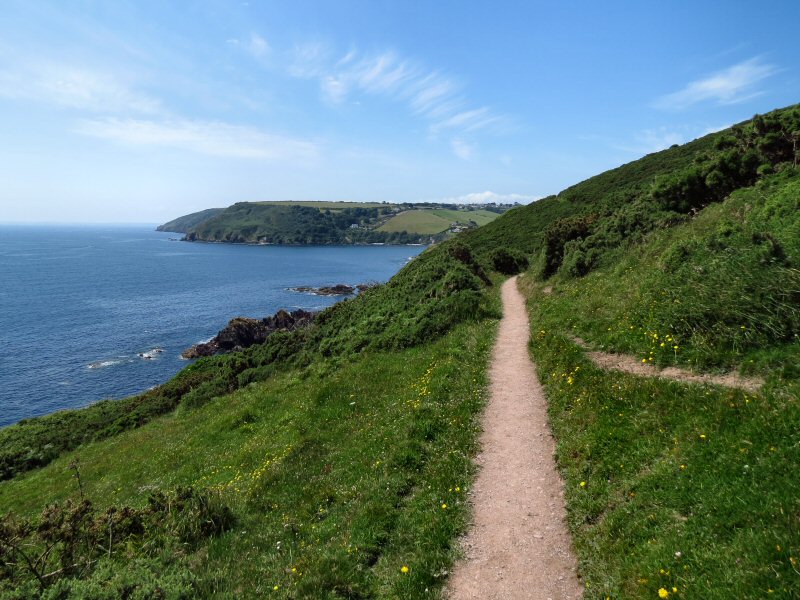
(73, 550)
(508, 261)
(558, 235)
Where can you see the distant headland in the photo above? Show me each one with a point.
(321, 223)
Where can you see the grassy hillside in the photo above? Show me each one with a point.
(187, 222)
(337, 480)
(433, 221)
(681, 480)
(331, 462)
(674, 489)
(321, 205)
(328, 222)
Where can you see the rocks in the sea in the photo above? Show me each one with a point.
(340, 289)
(242, 332)
(151, 354)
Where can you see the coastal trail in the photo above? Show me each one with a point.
(518, 545)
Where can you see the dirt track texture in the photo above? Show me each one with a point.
(518, 545)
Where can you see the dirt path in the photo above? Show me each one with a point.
(633, 365)
(518, 546)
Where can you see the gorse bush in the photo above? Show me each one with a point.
(735, 287)
(508, 262)
(754, 149)
(585, 226)
(73, 547)
(336, 478)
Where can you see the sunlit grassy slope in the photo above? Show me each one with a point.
(680, 486)
(313, 222)
(322, 205)
(432, 221)
(337, 479)
(680, 490)
(343, 450)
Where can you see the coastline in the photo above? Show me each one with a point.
(171, 296)
(271, 244)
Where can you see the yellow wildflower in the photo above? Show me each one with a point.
(662, 593)
(404, 569)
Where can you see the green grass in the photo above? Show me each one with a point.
(481, 217)
(668, 484)
(429, 296)
(344, 448)
(433, 221)
(322, 205)
(724, 288)
(425, 222)
(337, 477)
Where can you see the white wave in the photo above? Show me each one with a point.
(151, 354)
(100, 364)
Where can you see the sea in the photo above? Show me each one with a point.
(95, 312)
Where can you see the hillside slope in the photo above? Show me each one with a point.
(671, 484)
(331, 222)
(185, 223)
(342, 452)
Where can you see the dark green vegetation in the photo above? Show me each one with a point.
(74, 550)
(331, 222)
(337, 478)
(343, 450)
(433, 293)
(187, 222)
(670, 485)
(674, 488)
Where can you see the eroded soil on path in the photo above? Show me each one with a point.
(518, 546)
(633, 365)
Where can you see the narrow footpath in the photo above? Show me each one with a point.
(518, 545)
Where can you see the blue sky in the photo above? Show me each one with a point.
(144, 111)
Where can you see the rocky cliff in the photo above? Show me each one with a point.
(242, 332)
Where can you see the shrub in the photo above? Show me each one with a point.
(73, 549)
(508, 261)
(557, 236)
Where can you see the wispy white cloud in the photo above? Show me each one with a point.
(428, 93)
(467, 120)
(204, 137)
(656, 139)
(258, 46)
(309, 60)
(488, 197)
(74, 87)
(431, 93)
(729, 86)
(653, 140)
(462, 149)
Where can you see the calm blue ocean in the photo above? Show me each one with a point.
(79, 304)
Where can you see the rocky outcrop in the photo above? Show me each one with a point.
(242, 332)
(340, 289)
